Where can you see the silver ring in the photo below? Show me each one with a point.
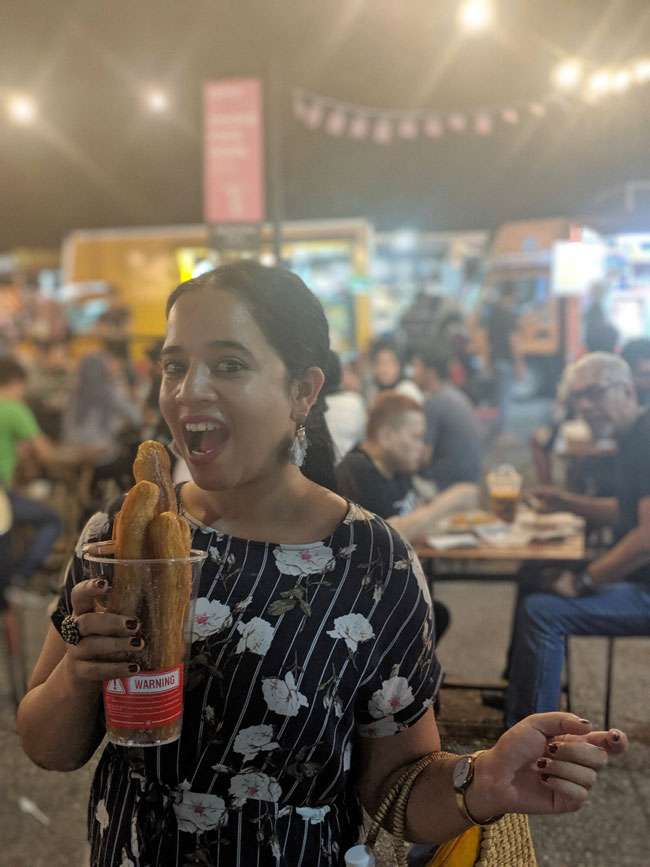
(70, 631)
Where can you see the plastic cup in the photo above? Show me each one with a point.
(146, 709)
(504, 485)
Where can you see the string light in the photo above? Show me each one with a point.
(599, 83)
(568, 74)
(22, 109)
(156, 100)
(475, 16)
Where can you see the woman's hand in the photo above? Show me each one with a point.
(109, 643)
(547, 763)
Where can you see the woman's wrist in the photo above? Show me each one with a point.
(483, 797)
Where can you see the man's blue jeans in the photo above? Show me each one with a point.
(543, 622)
(47, 528)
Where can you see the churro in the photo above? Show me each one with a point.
(136, 514)
(152, 465)
(157, 593)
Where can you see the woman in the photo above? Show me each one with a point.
(313, 629)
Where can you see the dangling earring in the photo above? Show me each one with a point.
(173, 448)
(298, 448)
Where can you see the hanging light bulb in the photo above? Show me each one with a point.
(568, 74)
(475, 16)
(156, 100)
(22, 109)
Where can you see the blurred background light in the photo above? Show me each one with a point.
(157, 100)
(22, 109)
(568, 74)
(621, 80)
(475, 16)
(599, 83)
(642, 71)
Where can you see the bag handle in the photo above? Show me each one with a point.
(398, 797)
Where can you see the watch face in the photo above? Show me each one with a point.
(461, 772)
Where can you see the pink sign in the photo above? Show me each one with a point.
(233, 155)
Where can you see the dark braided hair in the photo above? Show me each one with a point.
(294, 323)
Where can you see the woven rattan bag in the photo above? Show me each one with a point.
(506, 843)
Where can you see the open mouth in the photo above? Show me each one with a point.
(204, 437)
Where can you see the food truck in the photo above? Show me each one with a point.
(141, 266)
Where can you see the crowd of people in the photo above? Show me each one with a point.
(315, 674)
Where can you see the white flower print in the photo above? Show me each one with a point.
(334, 701)
(208, 713)
(243, 605)
(347, 551)
(253, 740)
(126, 861)
(353, 629)
(282, 696)
(135, 845)
(292, 560)
(96, 527)
(101, 815)
(313, 815)
(380, 729)
(255, 787)
(417, 570)
(395, 694)
(256, 636)
(347, 757)
(357, 513)
(209, 617)
(197, 812)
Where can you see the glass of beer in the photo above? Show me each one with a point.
(504, 484)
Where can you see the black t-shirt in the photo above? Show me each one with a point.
(633, 481)
(500, 325)
(360, 481)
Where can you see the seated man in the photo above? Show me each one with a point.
(377, 474)
(453, 444)
(612, 596)
(19, 429)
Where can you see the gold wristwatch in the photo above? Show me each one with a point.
(463, 776)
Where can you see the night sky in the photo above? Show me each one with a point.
(97, 159)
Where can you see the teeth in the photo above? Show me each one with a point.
(201, 426)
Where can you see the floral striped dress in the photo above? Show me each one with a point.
(297, 649)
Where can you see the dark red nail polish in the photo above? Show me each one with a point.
(101, 584)
(544, 777)
(616, 735)
(131, 624)
(136, 642)
(552, 748)
(134, 667)
(541, 763)
(584, 722)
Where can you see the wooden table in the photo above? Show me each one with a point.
(567, 552)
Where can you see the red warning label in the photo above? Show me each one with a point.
(147, 700)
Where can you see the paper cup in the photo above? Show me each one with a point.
(146, 709)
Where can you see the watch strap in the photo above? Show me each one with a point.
(461, 803)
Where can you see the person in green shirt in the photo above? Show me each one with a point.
(19, 430)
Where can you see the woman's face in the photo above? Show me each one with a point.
(224, 392)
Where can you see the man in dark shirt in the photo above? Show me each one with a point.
(454, 451)
(378, 473)
(506, 358)
(612, 596)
